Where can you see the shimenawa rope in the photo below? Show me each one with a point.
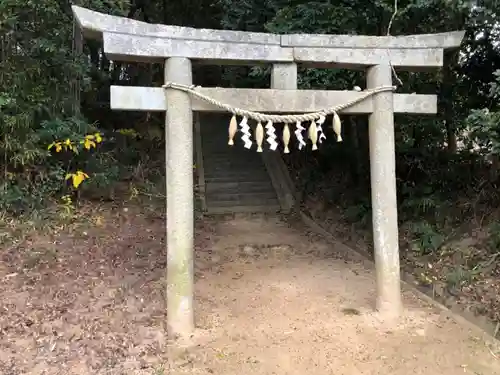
(286, 119)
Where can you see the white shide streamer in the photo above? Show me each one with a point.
(245, 129)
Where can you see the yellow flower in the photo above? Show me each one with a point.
(57, 145)
(68, 144)
(88, 142)
(77, 178)
(91, 140)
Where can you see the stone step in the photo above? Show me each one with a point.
(219, 152)
(264, 189)
(248, 202)
(252, 173)
(236, 179)
(239, 179)
(257, 173)
(227, 156)
(242, 209)
(233, 186)
(239, 157)
(233, 165)
(241, 196)
(249, 170)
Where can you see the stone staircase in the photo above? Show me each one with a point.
(233, 179)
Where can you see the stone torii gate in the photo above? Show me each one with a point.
(134, 41)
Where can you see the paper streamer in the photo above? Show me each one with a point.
(298, 134)
(319, 124)
(245, 129)
(271, 139)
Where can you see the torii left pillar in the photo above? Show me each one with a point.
(180, 217)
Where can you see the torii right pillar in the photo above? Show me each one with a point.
(383, 193)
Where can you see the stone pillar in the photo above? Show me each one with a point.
(180, 218)
(383, 192)
(284, 77)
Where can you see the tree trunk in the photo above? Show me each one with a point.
(447, 91)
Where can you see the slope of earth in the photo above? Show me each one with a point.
(463, 269)
(88, 299)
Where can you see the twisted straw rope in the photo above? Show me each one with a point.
(286, 119)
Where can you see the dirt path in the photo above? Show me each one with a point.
(270, 300)
(281, 304)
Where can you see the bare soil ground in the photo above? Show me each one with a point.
(87, 298)
(464, 269)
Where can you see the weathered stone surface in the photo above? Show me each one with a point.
(267, 100)
(128, 47)
(126, 39)
(428, 57)
(94, 24)
(146, 48)
(415, 103)
(383, 192)
(180, 198)
(440, 40)
(284, 76)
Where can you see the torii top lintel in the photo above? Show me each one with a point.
(130, 40)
